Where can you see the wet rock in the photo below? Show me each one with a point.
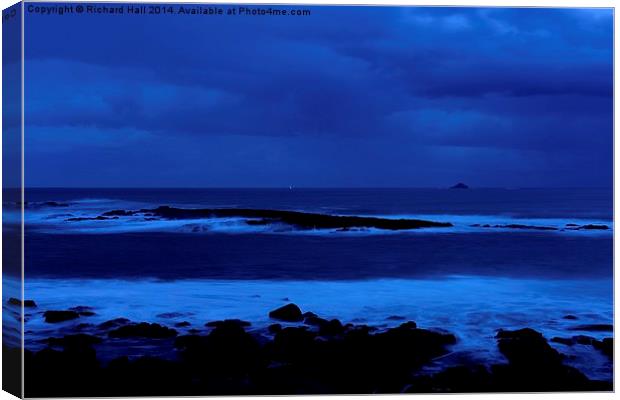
(274, 328)
(314, 320)
(564, 341)
(594, 227)
(605, 346)
(309, 314)
(227, 322)
(84, 311)
(114, 323)
(118, 213)
(17, 302)
(593, 328)
(76, 340)
(533, 365)
(143, 329)
(570, 317)
(289, 313)
(579, 339)
(396, 318)
(293, 344)
(228, 350)
(526, 346)
(182, 324)
(331, 328)
(60, 316)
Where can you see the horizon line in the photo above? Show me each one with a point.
(306, 187)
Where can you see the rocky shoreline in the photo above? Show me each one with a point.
(300, 353)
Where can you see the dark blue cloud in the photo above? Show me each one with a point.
(348, 96)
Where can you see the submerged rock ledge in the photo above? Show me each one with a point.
(303, 220)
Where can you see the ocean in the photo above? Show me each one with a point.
(513, 258)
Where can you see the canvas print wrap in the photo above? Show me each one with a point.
(233, 199)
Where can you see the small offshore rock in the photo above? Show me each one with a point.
(17, 302)
(60, 316)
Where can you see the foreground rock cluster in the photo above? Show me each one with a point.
(301, 353)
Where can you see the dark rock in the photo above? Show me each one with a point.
(309, 314)
(118, 213)
(226, 322)
(76, 340)
(274, 328)
(315, 321)
(594, 227)
(331, 328)
(582, 339)
(182, 324)
(533, 365)
(593, 328)
(27, 303)
(84, 311)
(564, 341)
(396, 318)
(527, 346)
(300, 220)
(409, 325)
(228, 349)
(570, 316)
(289, 313)
(143, 329)
(459, 185)
(114, 323)
(60, 316)
(605, 346)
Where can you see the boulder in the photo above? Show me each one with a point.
(288, 313)
(143, 329)
(227, 322)
(60, 316)
(17, 302)
(76, 340)
(605, 346)
(525, 347)
(593, 328)
(114, 323)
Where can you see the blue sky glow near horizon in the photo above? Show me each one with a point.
(345, 97)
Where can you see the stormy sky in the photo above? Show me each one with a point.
(345, 97)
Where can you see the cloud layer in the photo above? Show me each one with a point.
(348, 96)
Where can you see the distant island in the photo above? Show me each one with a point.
(460, 185)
